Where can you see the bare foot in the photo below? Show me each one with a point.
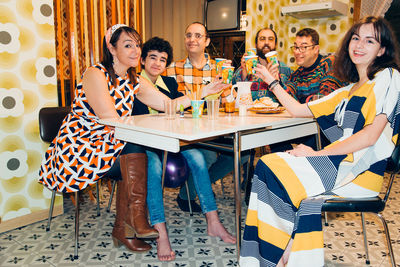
(215, 228)
(164, 251)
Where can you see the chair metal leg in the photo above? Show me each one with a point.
(53, 196)
(98, 198)
(389, 244)
(248, 165)
(326, 218)
(222, 187)
(318, 138)
(188, 195)
(114, 183)
(367, 261)
(249, 180)
(76, 224)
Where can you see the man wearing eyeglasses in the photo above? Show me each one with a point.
(197, 69)
(314, 77)
(265, 40)
(191, 73)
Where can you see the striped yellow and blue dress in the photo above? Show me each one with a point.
(288, 191)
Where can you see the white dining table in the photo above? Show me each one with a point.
(249, 131)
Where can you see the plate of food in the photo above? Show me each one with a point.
(266, 105)
(267, 110)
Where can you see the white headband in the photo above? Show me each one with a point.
(111, 31)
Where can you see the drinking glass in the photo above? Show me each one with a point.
(170, 109)
(212, 109)
(197, 108)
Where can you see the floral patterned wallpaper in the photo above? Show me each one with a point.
(266, 13)
(27, 83)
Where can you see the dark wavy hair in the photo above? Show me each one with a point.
(107, 61)
(160, 45)
(309, 32)
(346, 70)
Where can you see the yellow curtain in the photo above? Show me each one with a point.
(80, 28)
(168, 19)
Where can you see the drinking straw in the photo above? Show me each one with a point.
(195, 93)
(198, 91)
(188, 92)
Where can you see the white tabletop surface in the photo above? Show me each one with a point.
(190, 129)
(158, 132)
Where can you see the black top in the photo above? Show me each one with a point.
(139, 108)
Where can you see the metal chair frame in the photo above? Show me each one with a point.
(374, 205)
(359, 205)
(47, 135)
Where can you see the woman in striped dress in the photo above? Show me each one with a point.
(283, 224)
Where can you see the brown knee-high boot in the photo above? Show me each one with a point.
(118, 233)
(134, 188)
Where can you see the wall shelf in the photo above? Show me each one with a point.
(316, 10)
(229, 44)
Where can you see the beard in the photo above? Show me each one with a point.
(261, 53)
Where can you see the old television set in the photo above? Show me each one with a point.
(223, 15)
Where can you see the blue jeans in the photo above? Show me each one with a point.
(219, 165)
(201, 180)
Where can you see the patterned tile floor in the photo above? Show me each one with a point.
(33, 246)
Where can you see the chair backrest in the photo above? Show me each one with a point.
(393, 165)
(50, 119)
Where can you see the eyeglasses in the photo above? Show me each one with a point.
(196, 36)
(301, 48)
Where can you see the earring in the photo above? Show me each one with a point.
(116, 66)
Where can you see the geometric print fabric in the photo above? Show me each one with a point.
(84, 150)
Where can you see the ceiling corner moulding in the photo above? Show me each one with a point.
(316, 10)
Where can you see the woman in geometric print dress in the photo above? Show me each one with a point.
(283, 224)
(85, 150)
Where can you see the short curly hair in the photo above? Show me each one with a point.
(157, 44)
